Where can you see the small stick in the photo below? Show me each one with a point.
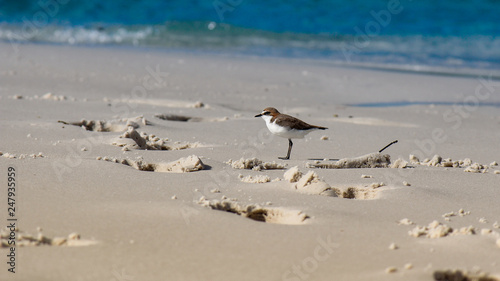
(380, 151)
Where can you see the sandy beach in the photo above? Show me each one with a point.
(137, 164)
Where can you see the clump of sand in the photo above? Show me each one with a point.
(50, 96)
(22, 155)
(256, 212)
(399, 164)
(372, 160)
(255, 179)
(414, 159)
(405, 221)
(435, 161)
(183, 165)
(24, 239)
(476, 168)
(436, 229)
(438, 161)
(293, 174)
(254, 164)
(460, 212)
(391, 269)
(393, 246)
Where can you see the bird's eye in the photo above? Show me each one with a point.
(266, 113)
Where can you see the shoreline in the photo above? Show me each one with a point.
(420, 69)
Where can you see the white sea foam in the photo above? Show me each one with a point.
(411, 53)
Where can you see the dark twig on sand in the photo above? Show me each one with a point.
(380, 151)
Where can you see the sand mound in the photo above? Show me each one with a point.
(372, 160)
(311, 184)
(24, 239)
(183, 165)
(399, 164)
(254, 164)
(293, 174)
(118, 125)
(256, 212)
(132, 139)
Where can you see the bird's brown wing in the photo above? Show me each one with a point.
(290, 121)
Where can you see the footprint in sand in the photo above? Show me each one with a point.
(257, 212)
(24, 239)
(310, 183)
(118, 125)
(183, 118)
(255, 164)
(183, 165)
(132, 139)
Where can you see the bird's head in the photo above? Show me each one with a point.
(269, 111)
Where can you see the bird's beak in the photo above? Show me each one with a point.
(258, 115)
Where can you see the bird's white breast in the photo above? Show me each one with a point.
(284, 132)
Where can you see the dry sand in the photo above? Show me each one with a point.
(189, 216)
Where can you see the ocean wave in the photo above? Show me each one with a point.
(412, 52)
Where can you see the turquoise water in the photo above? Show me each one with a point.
(445, 34)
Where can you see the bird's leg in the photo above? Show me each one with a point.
(290, 144)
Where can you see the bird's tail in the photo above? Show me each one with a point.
(320, 128)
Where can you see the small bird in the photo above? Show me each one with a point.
(286, 126)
